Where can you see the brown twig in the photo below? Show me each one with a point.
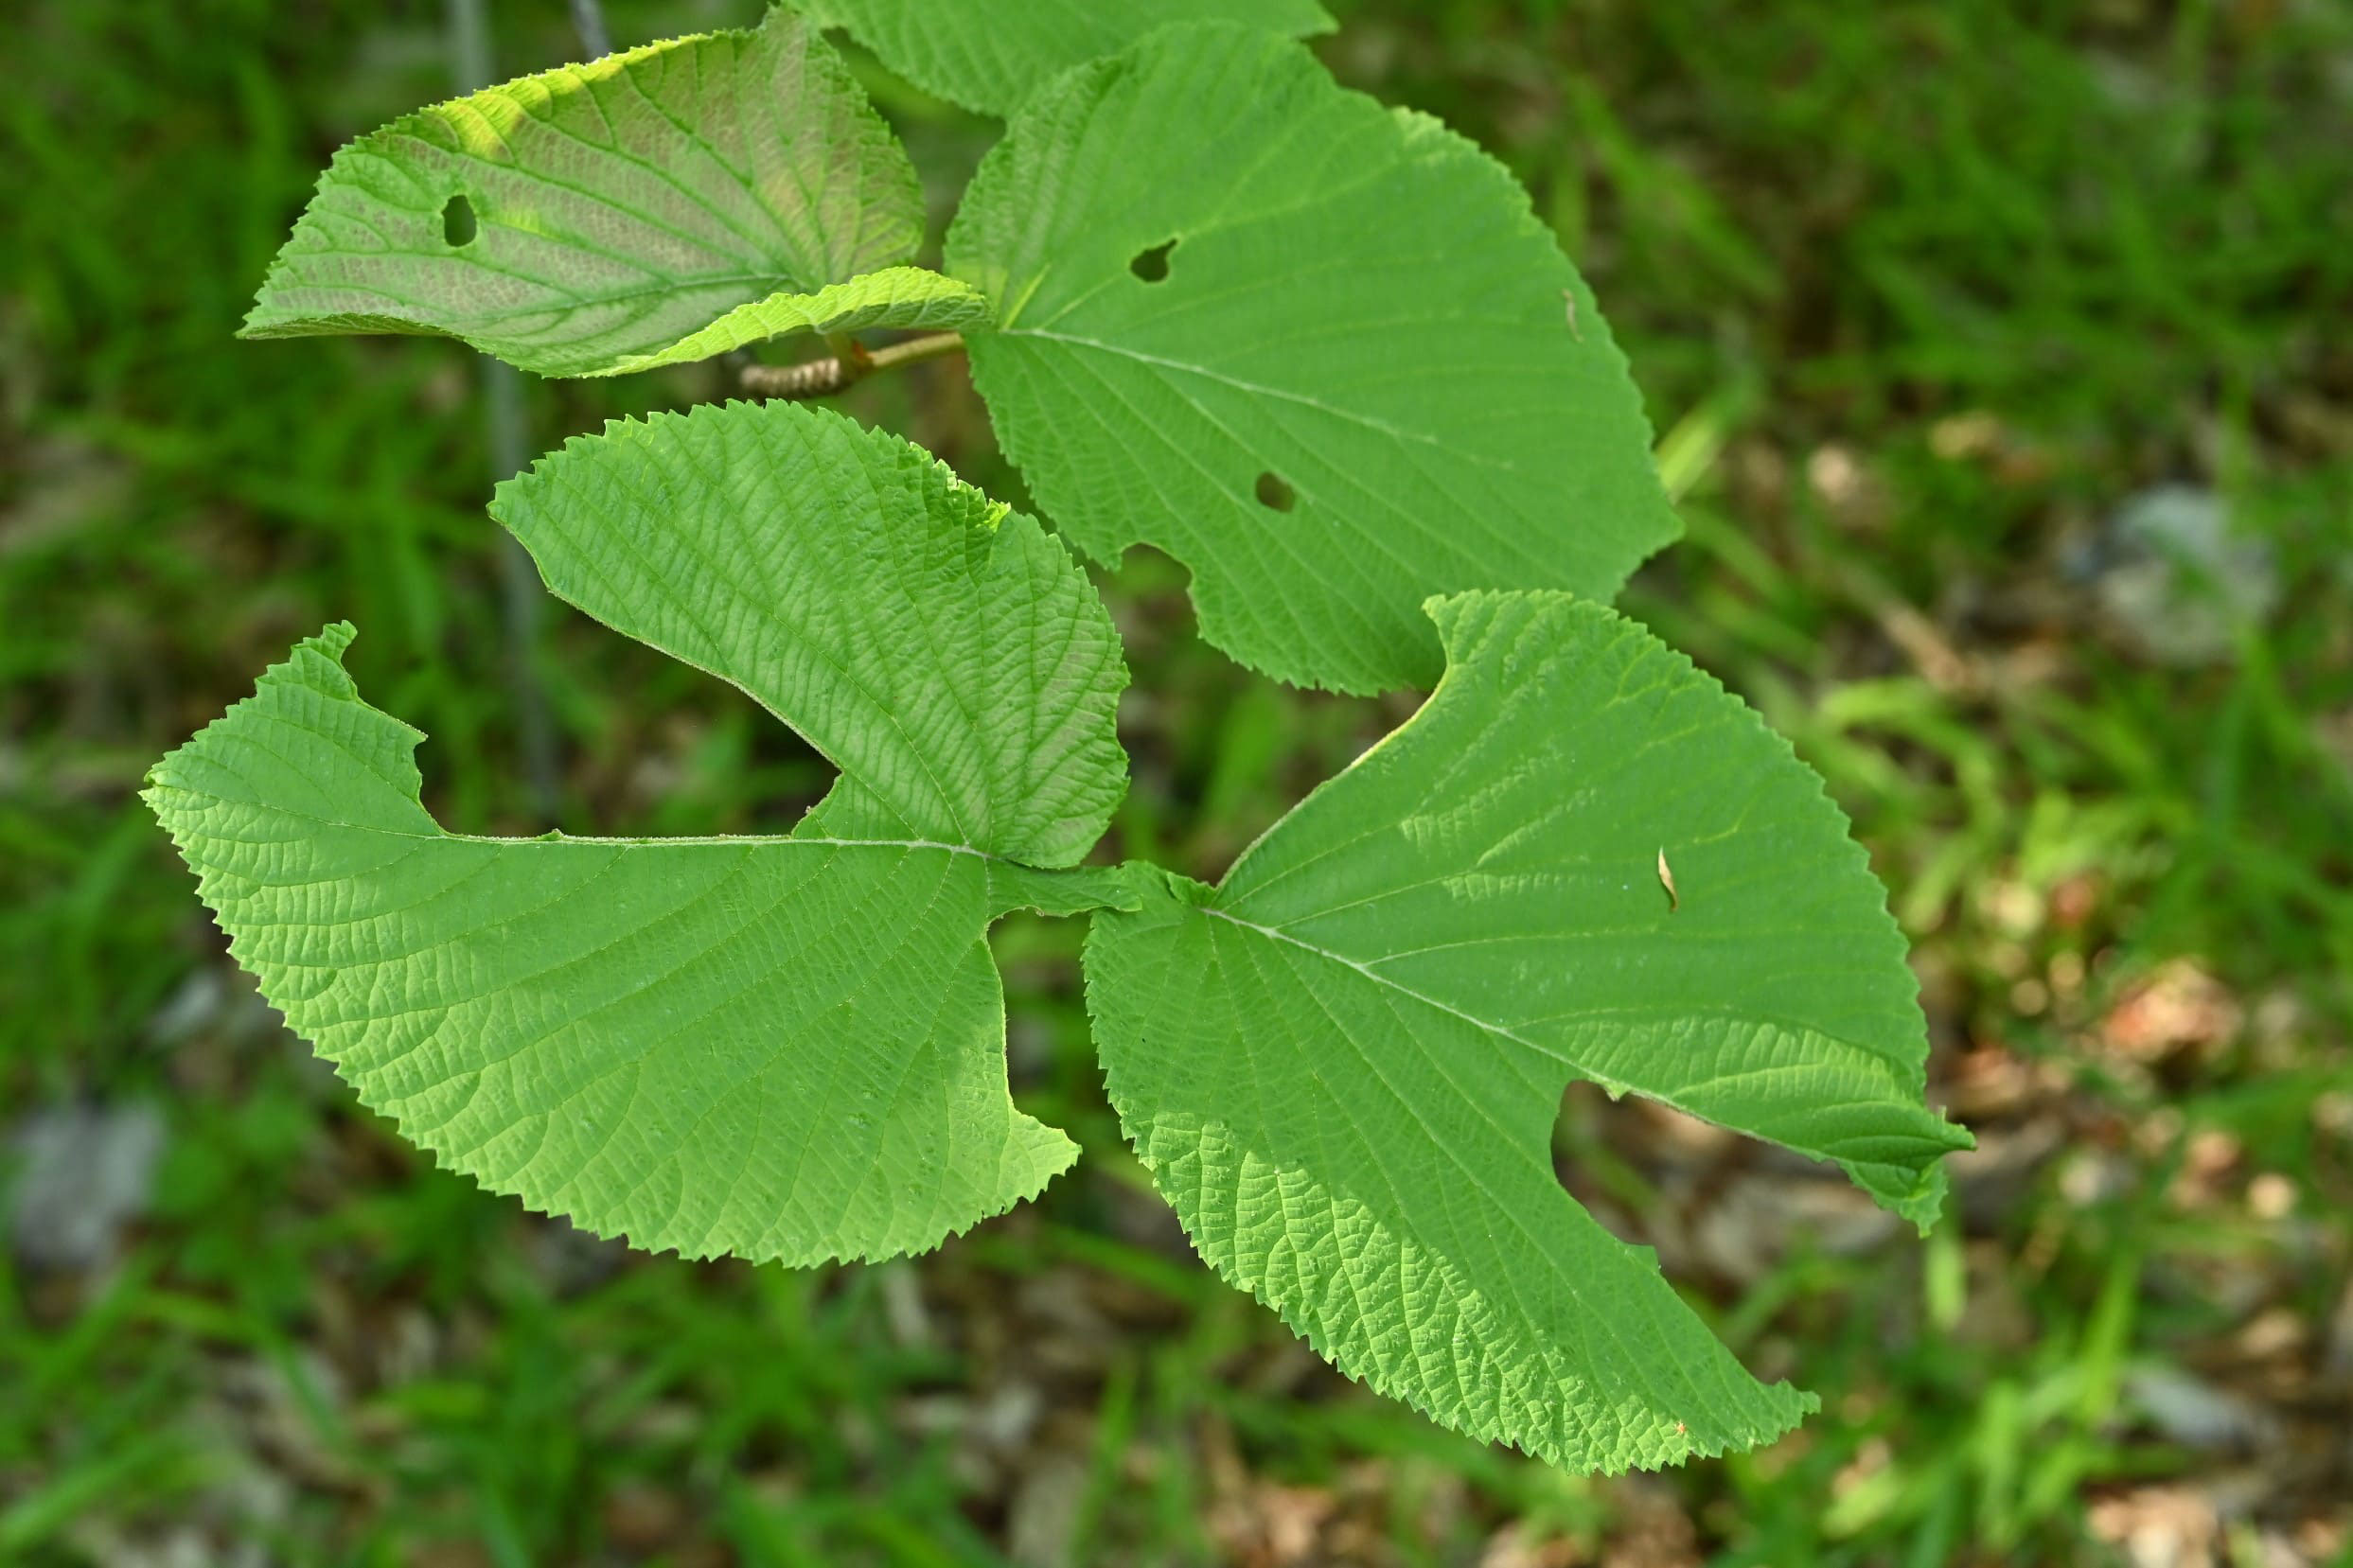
(849, 363)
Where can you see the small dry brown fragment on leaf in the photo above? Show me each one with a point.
(1667, 880)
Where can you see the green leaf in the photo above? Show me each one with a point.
(1343, 1065)
(903, 297)
(1320, 352)
(988, 55)
(787, 1047)
(945, 653)
(618, 210)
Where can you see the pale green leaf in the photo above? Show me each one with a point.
(949, 656)
(905, 297)
(619, 209)
(1344, 1063)
(1358, 373)
(988, 55)
(787, 1047)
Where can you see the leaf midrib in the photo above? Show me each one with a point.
(745, 840)
(1505, 1032)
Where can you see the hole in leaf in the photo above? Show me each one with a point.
(1152, 265)
(457, 221)
(1588, 1136)
(1275, 494)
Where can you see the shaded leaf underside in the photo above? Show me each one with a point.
(624, 211)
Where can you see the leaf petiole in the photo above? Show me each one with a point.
(844, 367)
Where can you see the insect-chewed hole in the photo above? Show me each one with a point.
(457, 221)
(1592, 1132)
(1152, 265)
(1275, 492)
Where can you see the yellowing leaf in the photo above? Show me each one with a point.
(622, 214)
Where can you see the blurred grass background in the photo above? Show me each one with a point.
(2000, 361)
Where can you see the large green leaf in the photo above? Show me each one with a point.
(781, 1047)
(1343, 1065)
(989, 55)
(1319, 351)
(619, 209)
(949, 656)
